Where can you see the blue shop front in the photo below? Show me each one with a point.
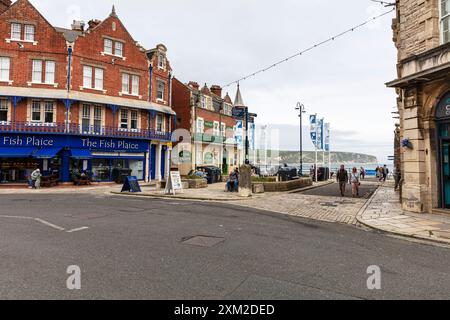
(66, 155)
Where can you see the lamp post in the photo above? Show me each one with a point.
(301, 109)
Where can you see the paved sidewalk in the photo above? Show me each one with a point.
(383, 212)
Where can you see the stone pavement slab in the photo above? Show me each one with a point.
(383, 212)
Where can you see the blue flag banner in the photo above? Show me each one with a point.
(320, 134)
(327, 137)
(313, 126)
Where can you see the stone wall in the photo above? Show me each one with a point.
(286, 186)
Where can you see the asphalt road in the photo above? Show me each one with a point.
(133, 249)
(366, 189)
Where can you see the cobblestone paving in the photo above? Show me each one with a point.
(384, 213)
(322, 208)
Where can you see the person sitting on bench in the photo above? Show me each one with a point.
(233, 181)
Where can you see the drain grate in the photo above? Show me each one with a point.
(203, 241)
(329, 204)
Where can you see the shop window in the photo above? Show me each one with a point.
(5, 64)
(4, 108)
(161, 88)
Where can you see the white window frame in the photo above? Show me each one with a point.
(50, 76)
(5, 105)
(158, 82)
(129, 118)
(135, 81)
(98, 76)
(14, 32)
(203, 103)
(443, 19)
(134, 116)
(42, 112)
(163, 122)
(106, 48)
(200, 125)
(92, 117)
(161, 61)
(116, 49)
(87, 77)
(127, 113)
(29, 32)
(223, 129)
(36, 72)
(5, 67)
(126, 81)
(216, 128)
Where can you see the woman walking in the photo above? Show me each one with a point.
(354, 180)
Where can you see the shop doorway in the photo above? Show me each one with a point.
(443, 134)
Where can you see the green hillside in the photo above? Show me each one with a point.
(309, 157)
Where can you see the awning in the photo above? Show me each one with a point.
(81, 154)
(46, 153)
(16, 152)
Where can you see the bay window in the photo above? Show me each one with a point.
(5, 63)
(445, 20)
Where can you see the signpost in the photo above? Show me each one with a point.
(131, 185)
(173, 183)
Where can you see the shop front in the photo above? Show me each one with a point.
(67, 156)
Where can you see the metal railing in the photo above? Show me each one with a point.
(78, 129)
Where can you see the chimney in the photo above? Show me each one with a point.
(93, 23)
(4, 5)
(78, 25)
(217, 90)
(193, 85)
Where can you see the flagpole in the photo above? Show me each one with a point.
(329, 150)
(316, 169)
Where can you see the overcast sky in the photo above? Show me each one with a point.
(220, 41)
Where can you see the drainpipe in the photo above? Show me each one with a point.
(69, 74)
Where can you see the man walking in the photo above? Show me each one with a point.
(342, 178)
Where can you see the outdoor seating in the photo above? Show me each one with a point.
(49, 181)
(86, 181)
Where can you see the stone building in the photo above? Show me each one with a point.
(421, 35)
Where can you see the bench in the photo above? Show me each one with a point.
(48, 182)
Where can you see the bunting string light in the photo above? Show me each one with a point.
(309, 49)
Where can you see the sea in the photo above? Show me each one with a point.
(368, 167)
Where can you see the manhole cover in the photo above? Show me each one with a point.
(328, 204)
(203, 241)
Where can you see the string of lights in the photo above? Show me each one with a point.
(309, 49)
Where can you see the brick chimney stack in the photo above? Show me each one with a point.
(93, 23)
(194, 85)
(4, 5)
(217, 90)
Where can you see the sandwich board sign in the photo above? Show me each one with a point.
(131, 185)
(173, 183)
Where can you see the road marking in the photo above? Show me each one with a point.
(48, 224)
(77, 229)
(51, 225)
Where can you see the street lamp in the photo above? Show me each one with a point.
(301, 109)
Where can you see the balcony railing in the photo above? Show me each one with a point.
(78, 129)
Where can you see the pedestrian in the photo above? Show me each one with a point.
(36, 178)
(397, 177)
(342, 179)
(363, 173)
(385, 173)
(233, 181)
(377, 172)
(354, 180)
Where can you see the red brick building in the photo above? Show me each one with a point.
(91, 96)
(209, 135)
